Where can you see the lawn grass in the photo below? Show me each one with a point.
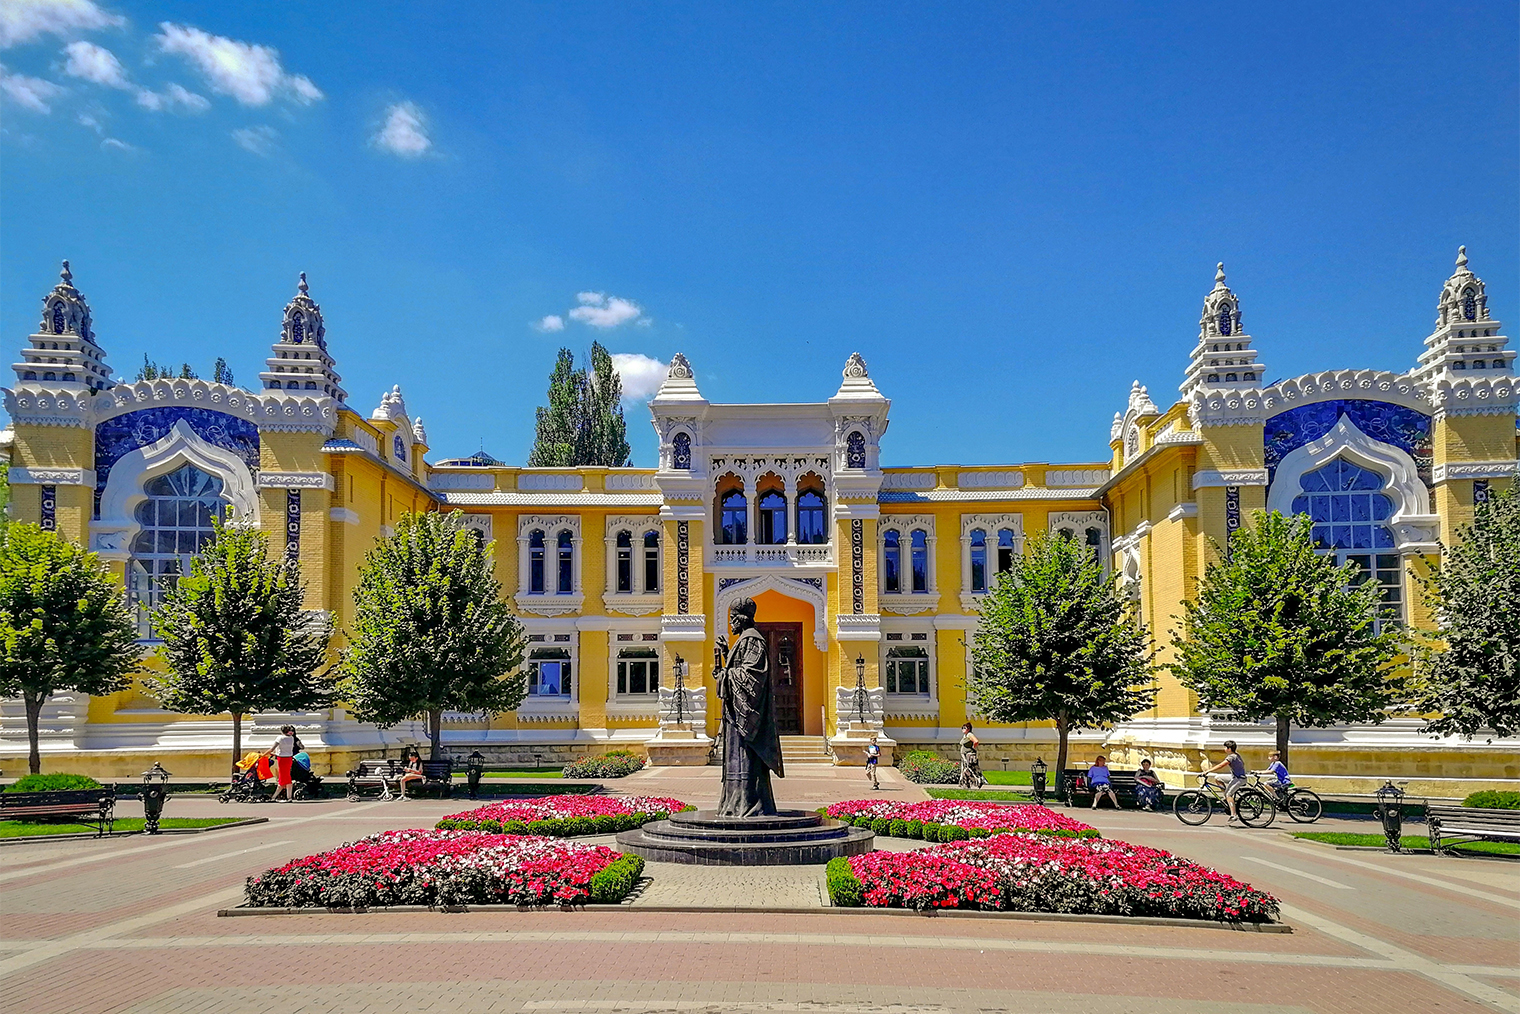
(26, 828)
(1416, 842)
(523, 773)
(986, 795)
(1007, 777)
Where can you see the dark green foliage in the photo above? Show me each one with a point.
(1057, 642)
(897, 828)
(1488, 799)
(953, 832)
(63, 624)
(430, 630)
(583, 423)
(236, 638)
(926, 768)
(1468, 672)
(1278, 630)
(614, 764)
(157, 371)
(612, 884)
(915, 829)
(981, 832)
(881, 826)
(221, 373)
(845, 889)
(52, 783)
(932, 831)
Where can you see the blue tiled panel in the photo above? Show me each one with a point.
(1402, 427)
(126, 433)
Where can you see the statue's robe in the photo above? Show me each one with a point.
(751, 743)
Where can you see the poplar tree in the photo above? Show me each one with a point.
(431, 632)
(1057, 642)
(1468, 671)
(1279, 630)
(236, 638)
(583, 423)
(64, 626)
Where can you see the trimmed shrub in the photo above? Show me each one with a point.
(613, 764)
(53, 783)
(915, 829)
(845, 889)
(1488, 799)
(980, 832)
(926, 768)
(932, 831)
(952, 832)
(897, 828)
(881, 826)
(612, 884)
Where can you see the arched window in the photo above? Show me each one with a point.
(920, 559)
(297, 329)
(1226, 324)
(908, 671)
(29, 375)
(1095, 544)
(396, 442)
(812, 518)
(651, 562)
(1005, 549)
(68, 376)
(624, 562)
(772, 519)
(680, 452)
(175, 523)
(1350, 515)
(855, 450)
(1213, 378)
(978, 560)
(536, 562)
(58, 323)
(274, 385)
(733, 521)
(50, 376)
(891, 560)
(1230, 376)
(1469, 306)
(566, 563)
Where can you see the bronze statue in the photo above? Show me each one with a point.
(749, 740)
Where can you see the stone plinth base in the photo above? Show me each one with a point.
(849, 747)
(678, 746)
(791, 838)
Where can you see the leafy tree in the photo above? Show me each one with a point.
(157, 371)
(235, 637)
(431, 632)
(63, 624)
(221, 373)
(1056, 641)
(5, 493)
(1278, 630)
(1468, 673)
(583, 423)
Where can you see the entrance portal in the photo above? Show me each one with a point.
(785, 643)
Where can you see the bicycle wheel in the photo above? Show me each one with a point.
(1193, 807)
(1304, 806)
(1254, 808)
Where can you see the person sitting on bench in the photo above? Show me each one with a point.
(1098, 780)
(1147, 786)
(411, 762)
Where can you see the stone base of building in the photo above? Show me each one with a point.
(678, 746)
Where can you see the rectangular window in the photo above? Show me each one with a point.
(651, 562)
(1386, 570)
(920, 560)
(624, 569)
(549, 672)
(907, 671)
(638, 671)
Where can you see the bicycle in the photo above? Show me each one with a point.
(1195, 806)
(1303, 805)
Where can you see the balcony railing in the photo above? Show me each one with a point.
(770, 556)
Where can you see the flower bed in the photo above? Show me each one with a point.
(1041, 873)
(941, 820)
(564, 816)
(613, 764)
(422, 867)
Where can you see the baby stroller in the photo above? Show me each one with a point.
(248, 784)
(308, 785)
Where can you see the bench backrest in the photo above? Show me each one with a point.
(371, 768)
(105, 795)
(437, 771)
(1472, 816)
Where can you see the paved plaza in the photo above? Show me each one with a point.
(130, 925)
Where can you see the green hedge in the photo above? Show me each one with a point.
(1488, 799)
(612, 884)
(565, 827)
(53, 783)
(950, 832)
(926, 768)
(845, 889)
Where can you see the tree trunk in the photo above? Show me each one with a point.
(1063, 729)
(1283, 728)
(237, 740)
(33, 719)
(435, 732)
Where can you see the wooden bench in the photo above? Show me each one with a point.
(1122, 781)
(77, 806)
(373, 774)
(1456, 824)
(438, 774)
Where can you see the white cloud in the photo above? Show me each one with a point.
(250, 73)
(404, 132)
(175, 96)
(23, 21)
(113, 144)
(259, 140)
(553, 322)
(602, 311)
(641, 375)
(91, 121)
(95, 64)
(28, 92)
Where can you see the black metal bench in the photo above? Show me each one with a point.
(1456, 824)
(1122, 781)
(76, 806)
(437, 774)
(373, 774)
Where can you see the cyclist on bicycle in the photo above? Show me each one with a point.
(1237, 780)
(1278, 770)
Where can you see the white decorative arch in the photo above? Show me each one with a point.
(113, 533)
(786, 586)
(1413, 525)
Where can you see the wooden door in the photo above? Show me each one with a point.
(785, 643)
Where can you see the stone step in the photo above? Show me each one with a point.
(804, 750)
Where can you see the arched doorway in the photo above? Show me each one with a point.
(797, 666)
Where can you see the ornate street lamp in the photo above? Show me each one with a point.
(1390, 810)
(680, 691)
(1037, 779)
(861, 697)
(155, 791)
(475, 767)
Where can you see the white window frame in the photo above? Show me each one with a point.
(1079, 522)
(910, 706)
(641, 601)
(991, 524)
(558, 708)
(547, 602)
(906, 602)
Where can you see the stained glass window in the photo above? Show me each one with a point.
(680, 454)
(297, 329)
(855, 450)
(1225, 323)
(1469, 306)
(1348, 510)
(175, 523)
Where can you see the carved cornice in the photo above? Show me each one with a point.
(858, 626)
(1212, 406)
(1441, 473)
(36, 405)
(1476, 396)
(1211, 478)
(1335, 385)
(683, 627)
(1011, 479)
(549, 604)
(52, 476)
(295, 480)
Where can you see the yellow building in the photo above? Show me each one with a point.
(864, 575)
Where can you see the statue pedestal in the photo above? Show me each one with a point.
(678, 745)
(790, 838)
(850, 744)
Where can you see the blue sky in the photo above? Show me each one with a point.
(1012, 210)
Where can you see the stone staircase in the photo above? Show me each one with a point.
(804, 750)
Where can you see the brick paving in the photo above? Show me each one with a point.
(130, 925)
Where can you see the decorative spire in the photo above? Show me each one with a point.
(1224, 356)
(1466, 339)
(64, 350)
(301, 349)
(680, 369)
(1218, 276)
(855, 367)
(392, 407)
(419, 435)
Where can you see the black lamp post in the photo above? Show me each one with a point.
(1037, 779)
(1390, 810)
(155, 791)
(861, 697)
(680, 690)
(475, 767)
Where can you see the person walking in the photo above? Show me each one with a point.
(1100, 782)
(284, 752)
(1236, 781)
(971, 768)
(873, 756)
